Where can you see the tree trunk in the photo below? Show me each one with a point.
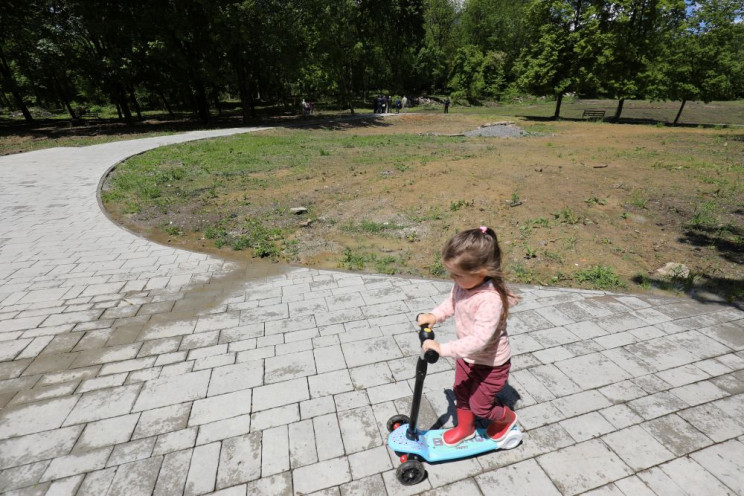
(165, 102)
(62, 94)
(679, 112)
(118, 111)
(618, 110)
(202, 104)
(136, 104)
(216, 101)
(120, 99)
(242, 91)
(558, 101)
(7, 75)
(347, 91)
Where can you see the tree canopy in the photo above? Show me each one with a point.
(192, 55)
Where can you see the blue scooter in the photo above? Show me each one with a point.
(414, 445)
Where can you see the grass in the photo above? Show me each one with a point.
(384, 197)
(600, 277)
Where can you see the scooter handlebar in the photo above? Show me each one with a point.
(425, 333)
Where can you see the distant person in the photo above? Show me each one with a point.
(397, 105)
(446, 105)
(404, 103)
(388, 101)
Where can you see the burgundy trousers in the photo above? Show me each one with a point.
(476, 387)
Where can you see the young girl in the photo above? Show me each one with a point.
(480, 303)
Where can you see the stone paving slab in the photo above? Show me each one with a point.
(128, 367)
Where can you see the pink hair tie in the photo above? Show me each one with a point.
(483, 229)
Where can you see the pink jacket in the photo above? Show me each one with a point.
(477, 312)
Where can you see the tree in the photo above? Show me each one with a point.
(439, 45)
(558, 59)
(339, 47)
(704, 58)
(496, 25)
(629, 38)
(17, 39)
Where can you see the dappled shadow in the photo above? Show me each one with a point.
(728, 240)
(706, 289)
(633, 121)
(51, 129)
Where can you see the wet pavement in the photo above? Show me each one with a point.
(128, 368)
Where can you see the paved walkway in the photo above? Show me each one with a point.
(131, 368)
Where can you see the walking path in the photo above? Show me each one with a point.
(130, 368)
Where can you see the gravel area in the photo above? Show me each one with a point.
(505, 130)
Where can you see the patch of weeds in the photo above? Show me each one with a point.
(600, 277)
(540, 222)
(132, 207)
(643, 280)
(215, 232)
(570, 242)
(261, 239)
(522, 274)
(459, 204)
(624, 215)
(149, 190)
(705, 215)
(324, 153)
(254, 235)
(593, 200)
(401, 167)
(174, 230)
(352, 260)
(638, 199)
(433, 213)
(385, 264)
(525, 230)
(163, 203)
(369, 227)
(566, 216)
(559, 277)
(529, 252)
(553, 257)
(515, 200)
(437, 268)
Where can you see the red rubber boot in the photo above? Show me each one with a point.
(465, 428)
(499, 428)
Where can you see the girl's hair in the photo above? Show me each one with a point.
(476, 249)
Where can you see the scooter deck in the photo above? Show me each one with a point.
(431, 447)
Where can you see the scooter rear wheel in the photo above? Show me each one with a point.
(410, 473)
(396, 421)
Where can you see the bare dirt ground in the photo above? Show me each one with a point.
(565, 197)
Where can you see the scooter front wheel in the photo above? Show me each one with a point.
(410, 473)
(396, 421)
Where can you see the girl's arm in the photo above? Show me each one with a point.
(486, 316)
(446, 309)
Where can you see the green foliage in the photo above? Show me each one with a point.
(459, 204)
(600, 277)
(567, 216)
(89, 58)
(369, 227)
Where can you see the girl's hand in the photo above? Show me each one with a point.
(430, 344)
(427, 319)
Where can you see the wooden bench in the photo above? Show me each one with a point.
(593, 115)
(85, 113)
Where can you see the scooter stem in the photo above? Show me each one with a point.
(430, 356)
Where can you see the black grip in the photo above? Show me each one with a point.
(431, 356)
(425, 333)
